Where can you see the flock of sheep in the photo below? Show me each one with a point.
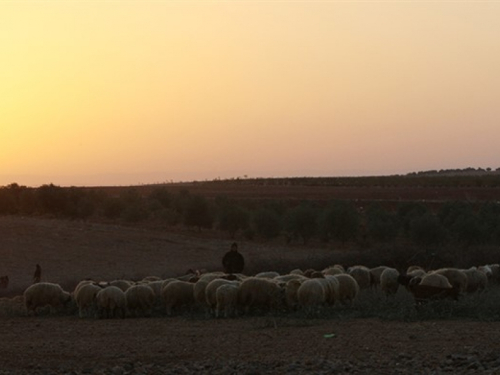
(230, 295)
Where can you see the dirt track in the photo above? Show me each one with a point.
(258, 345)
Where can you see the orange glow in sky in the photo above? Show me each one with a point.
(120, 93)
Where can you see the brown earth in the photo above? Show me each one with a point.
(71, 251)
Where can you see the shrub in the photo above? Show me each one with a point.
(266, 223)
(340, 221)
(197, 213)
(302, 221)
(426, 230)
(233, 218)
(381, 225)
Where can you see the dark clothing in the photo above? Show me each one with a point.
(38, 274)
(233, 262)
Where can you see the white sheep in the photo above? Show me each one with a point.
(389, 283)
(122, 284)
(495, 273)
(211, 290)
(82, 283)
(157, 287)
(433, 279)
(199, 293)
(178, 294)
(332, 289)
(375, 274)
(268, 274)
(410, 269)
(348, 288)
(111, 303)
(332, 271)
(362, 276)
(227, 299)
(456, 277)
(140, 300)
(477, 281)
(492, 271)
(312, 293)
(286, 278)
(44, 294)
(291, 288)
(264, 294)
(148, 279)
(85, 298)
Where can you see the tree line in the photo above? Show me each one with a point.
(339, 221)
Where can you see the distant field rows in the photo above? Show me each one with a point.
(324, 193)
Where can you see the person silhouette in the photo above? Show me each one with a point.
(233, 261)
(38, 274)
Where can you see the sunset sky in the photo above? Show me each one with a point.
(131, 92)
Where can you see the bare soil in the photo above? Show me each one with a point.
(188, 344)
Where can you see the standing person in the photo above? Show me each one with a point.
(38, 274)
(233, 261)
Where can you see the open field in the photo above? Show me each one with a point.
(69, 251)
(269, 190)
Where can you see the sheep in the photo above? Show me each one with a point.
(157, 287)
(45, 294)
(151, 278)
(410, 269)
(286, 278)
(111, 303)
(332, 286)
(312, 293)
(178, 294)
(291, 288)
(85, 298)
(297, 271)
(362, 276)
(433, 279)
(199, 293)
(338, 266)
(268, 274)
(227, 299)
(316, 275)
(82, 283)
(457, 278)
(309, 272)
(432, 286)
(389, 281)
(375, 274)
(211, 276)
(492, 271)
(476, 280)
(495, 273)
(211, 290)
(190, 277)
(405, 279)
(122, 284)
(348, 288)
(260, 293)
(140, 300)
(332, 271)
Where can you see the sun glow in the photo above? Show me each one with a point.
(109, 93)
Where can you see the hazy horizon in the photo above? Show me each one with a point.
(139, 92)
(131, 179)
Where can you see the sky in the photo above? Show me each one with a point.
(131, 92)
